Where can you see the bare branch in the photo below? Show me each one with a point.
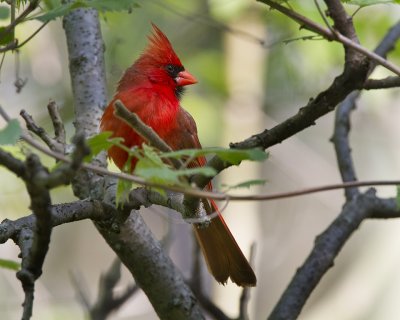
(60, 214)
(13, 164)
(39, 131)
(32, 261)
(196, 285)
(326, 248)
(58, 125)
(58, 143)
(340, 140)
(357, 207)
(335, 36)
(153, 271)
(87, 71)
(80, 289)
(245, 296)
(106, 301)
(386, 83)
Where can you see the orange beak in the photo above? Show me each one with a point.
(184, 78)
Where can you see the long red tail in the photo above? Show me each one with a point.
(223, 255)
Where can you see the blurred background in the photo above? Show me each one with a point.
(253, 73)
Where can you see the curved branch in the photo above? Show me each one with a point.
(326, 248)
(341, 143)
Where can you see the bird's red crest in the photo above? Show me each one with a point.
(160, 49)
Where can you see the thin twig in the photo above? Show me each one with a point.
(21, 44)
(58, 125)
(106, 301)
(80, 289)
(39, 131)
(245, 296)
(14, 45)
(323, 16)
(10, 28)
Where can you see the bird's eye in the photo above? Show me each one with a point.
(170, 68)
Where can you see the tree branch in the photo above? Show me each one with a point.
(60, 214)
(106, 301)
(341, 143)
(332, 35)
(357, 208)
(131, 239)
(58, 125)
(326, 248)
(13, 164)
(386, 83)
(39, 237)
(153, 271)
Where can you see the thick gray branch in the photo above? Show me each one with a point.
(86, 65)
(131, 239)
(60, 214)
(153, 271)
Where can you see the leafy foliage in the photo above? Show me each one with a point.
(151, 167)
(57, 9)
(100, 142)
(233, 156)
(11, 133)
(154, 166)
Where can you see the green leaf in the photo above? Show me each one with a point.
(398, 197)
(168, 176)
(246, 184)
(51, 4)
(20, 3)
(155, 171)
(112, 5)
(4, 12)
(58, 11)
(5, 38)
(365, 3)
(11, 133)
(123, 189)
(100, 142)
(152, 155)
(10, 264)
(100, 5)
(233, 156)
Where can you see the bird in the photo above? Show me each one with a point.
(152, 88)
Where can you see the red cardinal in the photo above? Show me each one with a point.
(151, 88)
